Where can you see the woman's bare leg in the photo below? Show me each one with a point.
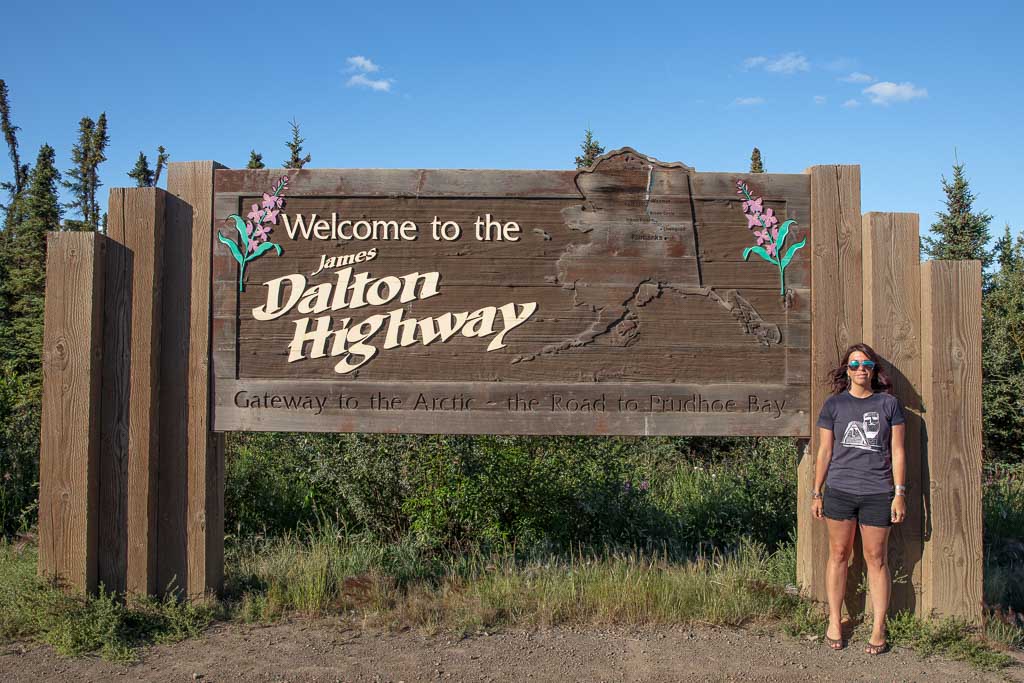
(840, 545)
(876, 556)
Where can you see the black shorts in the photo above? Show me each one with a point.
(871, 510)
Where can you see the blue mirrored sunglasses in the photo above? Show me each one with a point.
(866, 364)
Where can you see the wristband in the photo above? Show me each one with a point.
(901, 490)
(816, 496)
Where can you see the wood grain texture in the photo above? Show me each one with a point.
(70, 434)
(892, 326)
(128, 482)
(192, 184)
(836, 315)
(951, 392)
(590, 243)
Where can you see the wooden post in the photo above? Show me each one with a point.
(131, 381)
(70, 436)
(836, 305)
(951, 390)
(892, 326)
(191, 490)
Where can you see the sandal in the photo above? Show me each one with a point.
(873, 649)
(835, 643)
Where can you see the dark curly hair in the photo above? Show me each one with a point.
(880, 381)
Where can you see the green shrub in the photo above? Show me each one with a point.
(1003, 519)
(19, 452)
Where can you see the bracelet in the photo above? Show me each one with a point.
(901, 490)
(815, 496)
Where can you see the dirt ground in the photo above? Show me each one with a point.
(336, 650)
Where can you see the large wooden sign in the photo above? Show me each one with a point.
(634, 297)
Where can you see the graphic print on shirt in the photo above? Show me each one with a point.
(863, 434)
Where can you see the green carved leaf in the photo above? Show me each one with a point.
(792, 251)
(240, 227)
(264, 248)
(760, 251)
(232, 246)
(783, 234)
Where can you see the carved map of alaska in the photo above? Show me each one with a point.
(640, 241)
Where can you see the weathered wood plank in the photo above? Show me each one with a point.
(511, 407)
(951, 393)
(128, 481)
(70, 434)
(193, 183)
(836, 314)
(892, 326)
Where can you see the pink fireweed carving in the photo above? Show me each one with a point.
(254, 233)
(770, 236)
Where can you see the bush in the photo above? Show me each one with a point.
(19, 452)
(1003, 519)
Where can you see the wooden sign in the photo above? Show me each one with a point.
(633, 297)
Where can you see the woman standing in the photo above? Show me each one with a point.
(862, 465)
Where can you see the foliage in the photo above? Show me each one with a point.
(21, 339)
(83, 178)
(19, 448)
(756, 166)
(296, 160)
(143, 175)
(1003, 353)
(255, 160)
(949, 638)
(76, 624)
(1003, 525)
(591, 149)
(10, 132)
(960, 233)
(453, 491)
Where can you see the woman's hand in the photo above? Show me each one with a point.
(899, 509)
(816, 508)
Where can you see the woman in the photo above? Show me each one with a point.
(862, 465)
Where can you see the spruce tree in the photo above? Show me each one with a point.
(591, 149)
(142, 173)
(83, 178)
(296, 160)
(1002, 359)
(255, 160)
(21, 339)
(960, 233)
(161, 163)
(10, 132)
(755, 161)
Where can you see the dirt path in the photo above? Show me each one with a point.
(335, 650)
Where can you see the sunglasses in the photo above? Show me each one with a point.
(866, 364)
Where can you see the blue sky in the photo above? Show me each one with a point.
(894, 86)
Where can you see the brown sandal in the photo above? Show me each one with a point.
(873, 649)
(833, 643)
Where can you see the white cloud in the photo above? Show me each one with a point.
(363, 64)
(841, 64)
(857, 77)
(747, 101)
(850, 104)
(886, 93)
(819, 99)
(379, 84)
(751, 62)
(789, 63)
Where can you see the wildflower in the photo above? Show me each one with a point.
(644, 485)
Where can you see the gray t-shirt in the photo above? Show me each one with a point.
(861, 450)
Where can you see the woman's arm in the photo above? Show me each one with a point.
(821, 463)
(899, 473)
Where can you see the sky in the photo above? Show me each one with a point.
(901, 88)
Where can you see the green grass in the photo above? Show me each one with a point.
(77, 625)
(949, 638)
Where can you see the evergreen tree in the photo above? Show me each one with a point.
(591, 149)
(142, 173)
(1002, 358)
(21, 339)
(960, 233)
(755, 161)
(83, 179)
(296, 160)
(161, 163)
(255, 160)
(10, 132)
